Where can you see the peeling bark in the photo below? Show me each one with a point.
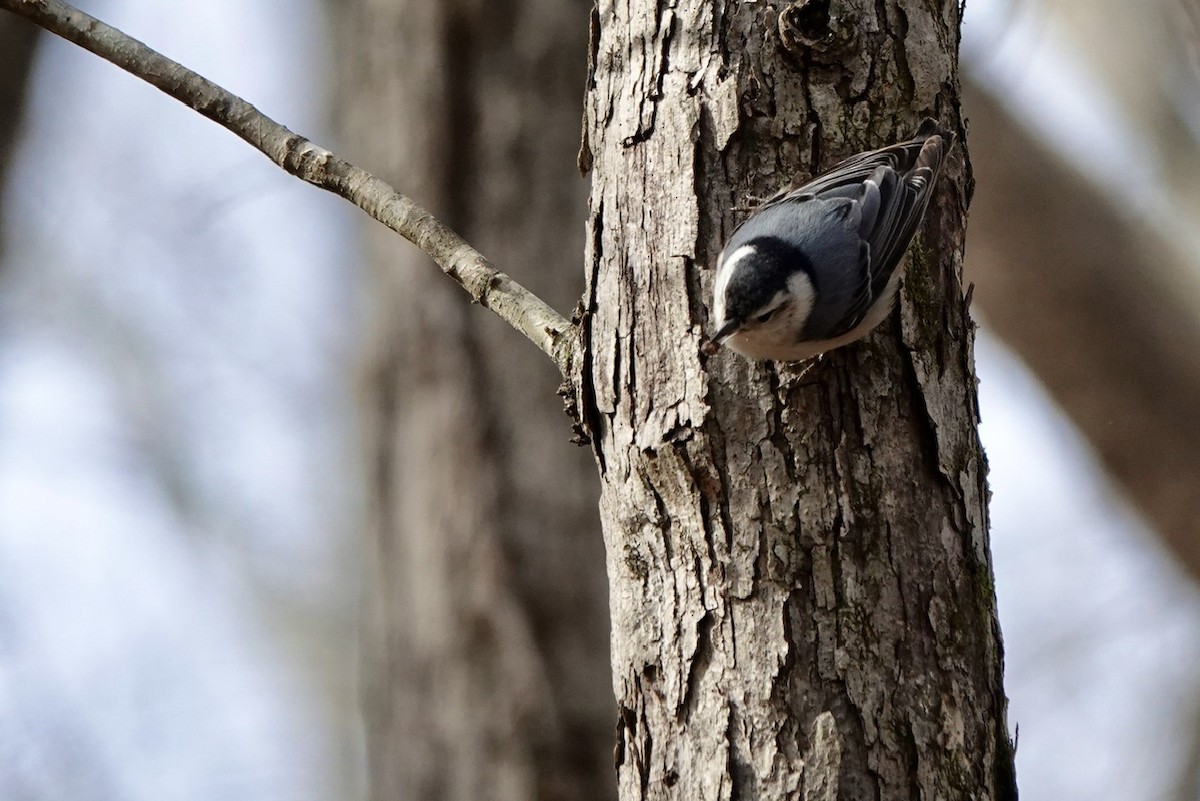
(800, 583)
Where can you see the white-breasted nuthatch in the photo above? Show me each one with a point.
(817, 267)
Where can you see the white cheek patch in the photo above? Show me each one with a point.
(725, 267)
(801, 289)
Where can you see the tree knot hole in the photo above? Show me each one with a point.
(806, 25)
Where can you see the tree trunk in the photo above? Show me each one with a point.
(485, 651)
(800, 582)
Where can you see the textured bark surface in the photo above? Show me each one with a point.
(1092, 301)
(800, 582)
(485, 654)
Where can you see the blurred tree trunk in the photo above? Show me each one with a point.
(800, 580)
(1092, 300)
(485, 651)
(17, 41)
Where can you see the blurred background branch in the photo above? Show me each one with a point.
(1089, 296)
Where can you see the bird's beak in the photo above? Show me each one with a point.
(726, 331)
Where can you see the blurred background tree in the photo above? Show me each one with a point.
(485, 652)
(186, 522)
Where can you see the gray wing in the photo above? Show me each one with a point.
(844, 178)
(889, 190)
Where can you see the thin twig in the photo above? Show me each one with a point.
(515, 304)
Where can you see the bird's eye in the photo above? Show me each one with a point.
(767, 315)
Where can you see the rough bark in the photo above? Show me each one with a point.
(485, 666)
(1091, 300)
(800, 582)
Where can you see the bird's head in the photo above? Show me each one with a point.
(762, 297)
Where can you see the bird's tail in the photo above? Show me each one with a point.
(935, 141)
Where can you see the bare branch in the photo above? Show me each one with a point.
(515, 304)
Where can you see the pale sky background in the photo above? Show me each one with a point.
(178, 564)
